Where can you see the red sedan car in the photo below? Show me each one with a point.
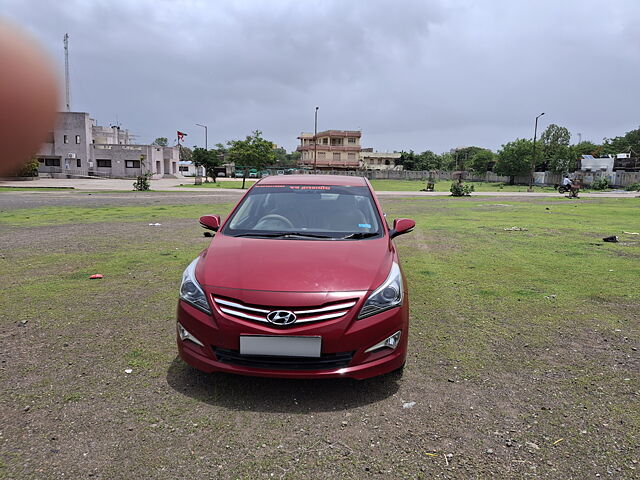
(301, 281)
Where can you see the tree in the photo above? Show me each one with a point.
(185, 154)
(629, 142)
(293, 159)
(428, 160)
(563, 160)
(254, 151)
(515, 158)
(408, 160)
(281, 155)
(556, 152)
(554, 141)
(161, 142)
(462, 156)
(587, 148)
(481, 161)
(207, 159)
(447, 161)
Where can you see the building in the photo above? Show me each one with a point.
(621, 162)
(335, 150)
(370, 160)
(80, 147)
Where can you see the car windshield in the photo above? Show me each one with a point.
(306, 212)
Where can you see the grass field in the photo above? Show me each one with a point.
(399, 185)
(221, 184)
(523, 357)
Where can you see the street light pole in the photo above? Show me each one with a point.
(206, 136)
(533, 157)
(315, 141)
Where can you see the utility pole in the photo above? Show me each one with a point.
(206, 147)
(315, 142)
(533, 156)
(66, 70)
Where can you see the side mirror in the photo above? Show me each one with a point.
(210, 222)
(400, 226)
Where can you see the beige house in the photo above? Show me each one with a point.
(334, 150)
(341, 150)
(370, 160)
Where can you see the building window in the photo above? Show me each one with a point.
(351, 156)
(78, 163)
(52, 162)
(352, 140)
(78, 139)
(325, 141)
(132, 163)
(65, 138)
(321, 155)
(104, 163)
(183, 168)
(336, 157)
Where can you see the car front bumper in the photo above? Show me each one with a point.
(343, 350)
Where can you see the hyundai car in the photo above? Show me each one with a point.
(302, 280)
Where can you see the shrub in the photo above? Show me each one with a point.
(633, 186)
(142, 182)
(600, 184)
(29, 169)
(460, 189)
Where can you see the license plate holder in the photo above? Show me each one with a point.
(281, 345)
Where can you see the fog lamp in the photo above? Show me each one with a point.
(184, 334)
(390, 342)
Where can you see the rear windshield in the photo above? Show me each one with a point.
(335, 212)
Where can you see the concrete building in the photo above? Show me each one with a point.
(335, 150)
(341, 150)
(370, 160)
(80, 147)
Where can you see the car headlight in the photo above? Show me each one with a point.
(386, 296)
(190, 290)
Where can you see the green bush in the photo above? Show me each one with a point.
(460, 189)
(633, 187)
(142, 182)
(600, 184)
(29, 169)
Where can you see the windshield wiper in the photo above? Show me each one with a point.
(357, 235)
(282, 235)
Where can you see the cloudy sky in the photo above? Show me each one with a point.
(423, 74)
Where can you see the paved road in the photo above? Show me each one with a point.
(173, 185)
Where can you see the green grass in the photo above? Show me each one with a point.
(76, 215)
(445, 185)
(397, 185)
(516, 320)
(221, 184)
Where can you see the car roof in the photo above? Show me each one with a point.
(343, 180)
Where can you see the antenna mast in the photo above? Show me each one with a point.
(66, 69)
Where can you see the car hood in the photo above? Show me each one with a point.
(295, 265)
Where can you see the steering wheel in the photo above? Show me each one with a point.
(267, 220)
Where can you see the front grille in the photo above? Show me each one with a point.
(258, 313)
(327, 361)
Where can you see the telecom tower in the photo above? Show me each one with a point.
(66, 70)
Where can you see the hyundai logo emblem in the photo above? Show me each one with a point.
(281, 317)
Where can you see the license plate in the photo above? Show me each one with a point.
(283, 346)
